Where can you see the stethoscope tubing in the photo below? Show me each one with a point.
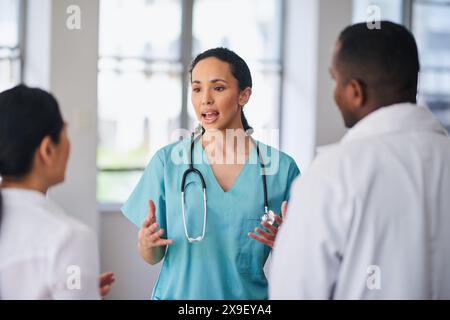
(197, 172)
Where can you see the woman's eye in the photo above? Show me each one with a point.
(196, 90)
(219, 88)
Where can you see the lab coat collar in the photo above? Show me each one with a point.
(24, 195)
(395, 118)
(30, 198)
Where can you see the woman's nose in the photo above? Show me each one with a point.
(207, 98)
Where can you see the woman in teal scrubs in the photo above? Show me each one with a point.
(228, 262)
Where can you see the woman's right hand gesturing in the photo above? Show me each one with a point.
(151, 245)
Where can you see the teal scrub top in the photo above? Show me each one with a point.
(227, 264)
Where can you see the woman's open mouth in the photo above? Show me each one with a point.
(210, 117)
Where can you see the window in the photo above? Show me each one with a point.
(145, 49)
(255, 35)
(10, 51)
(431, 26)
(428, 20)
(139, 87)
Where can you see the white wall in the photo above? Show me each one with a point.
(74, 81)
(334, 17)
(65, 62)
(135, 278)
(300, 80)
(310, 116)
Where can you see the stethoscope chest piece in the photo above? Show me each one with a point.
(268, 217)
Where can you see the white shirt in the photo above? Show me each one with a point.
(44, 254)
(370, 219)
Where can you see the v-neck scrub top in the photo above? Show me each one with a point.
(227, 264)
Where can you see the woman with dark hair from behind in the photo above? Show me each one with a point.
(44, 254)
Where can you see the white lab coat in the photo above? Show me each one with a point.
(370, 219)
(44, 254)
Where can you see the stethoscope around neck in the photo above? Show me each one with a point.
(268, 216)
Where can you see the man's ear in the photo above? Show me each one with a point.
(46, 150)
(358, 93)
(244, 96)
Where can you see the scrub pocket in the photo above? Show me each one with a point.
(252, 254)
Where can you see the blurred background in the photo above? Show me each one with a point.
(123, 86)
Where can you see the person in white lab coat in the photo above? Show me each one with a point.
(44, 254)
(370, 219)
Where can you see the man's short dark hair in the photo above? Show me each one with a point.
(386, 60)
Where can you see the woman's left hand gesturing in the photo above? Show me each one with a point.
(268, 237)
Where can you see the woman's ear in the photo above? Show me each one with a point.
(244, 96)
(46, 150)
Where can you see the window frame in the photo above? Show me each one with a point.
(408, 15)
(21, 25)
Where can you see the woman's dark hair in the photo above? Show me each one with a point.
(27, 116)
(239, 69)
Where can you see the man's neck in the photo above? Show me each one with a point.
(375, 105)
